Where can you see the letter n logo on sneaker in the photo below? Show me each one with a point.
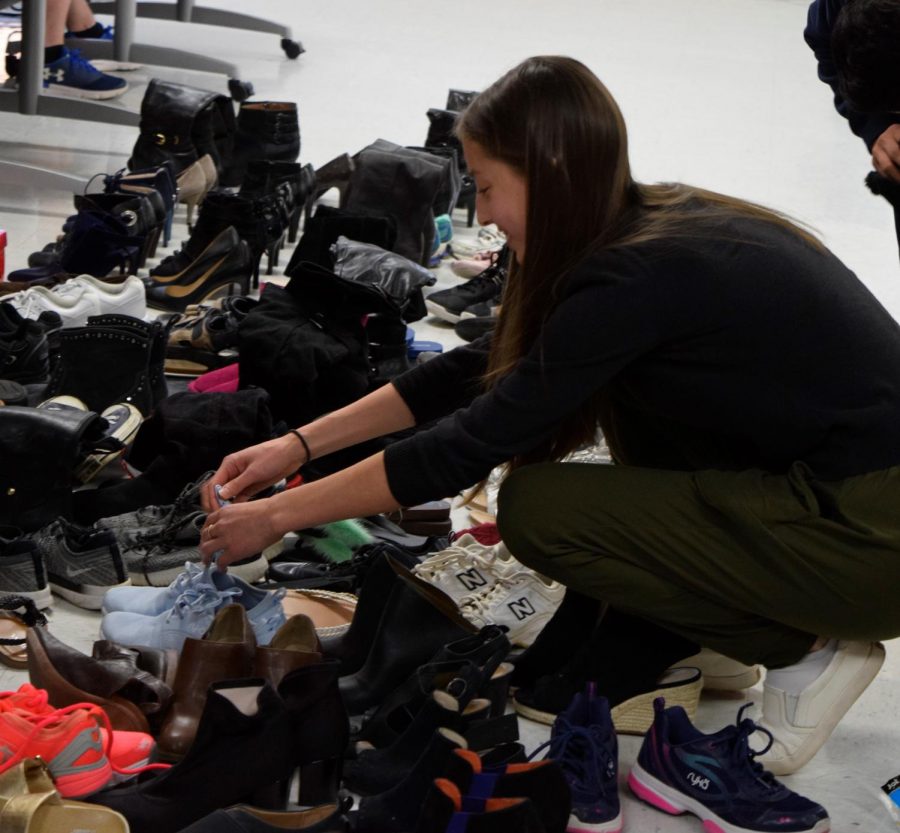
(521, 608)
(471, 579)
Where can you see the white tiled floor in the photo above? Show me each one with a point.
(721, 93)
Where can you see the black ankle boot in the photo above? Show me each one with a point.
(398, 807)
(265, 130)
(24, 348)
(224, 267)
(96, 244)
(475, 659)
(377, 770)
(136, 376)
(143, 215)
(352, 648)
(297, 182)
(417, 621)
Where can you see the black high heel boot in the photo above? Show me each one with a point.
(484, 652)
(352, 648)
(334, 174)
(291, 179)
(248, 743)
(379, 769)
(398, 807)
(418, 619)
(143, 215)
(245, 743)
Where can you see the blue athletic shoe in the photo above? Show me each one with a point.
(583, 743)
(715, 777)
(73, 76)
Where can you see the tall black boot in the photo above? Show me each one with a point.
(172, 129)
(265, 130)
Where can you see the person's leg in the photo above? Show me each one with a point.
(55, 22)
(755, 566)
(81, 22)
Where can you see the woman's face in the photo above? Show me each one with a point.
(502, 195)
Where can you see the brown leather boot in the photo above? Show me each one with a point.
(295, 645)
(225, 652)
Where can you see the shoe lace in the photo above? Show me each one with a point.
(494, 274)
(40, 722)
(743, 756)
(200, 597)
(26, 699)
(581, 753)
(79, 63)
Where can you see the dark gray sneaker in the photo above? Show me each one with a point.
(21, 568)
(82, 564)
(143, 526)
(450, 304)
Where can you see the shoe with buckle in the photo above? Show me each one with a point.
(718, 778)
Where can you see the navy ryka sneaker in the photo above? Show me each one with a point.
(715, 777)
(583, 743)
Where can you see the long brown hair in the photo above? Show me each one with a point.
(553, 121)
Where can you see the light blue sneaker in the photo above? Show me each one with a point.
(73, 76)
(264, 608)
(190, 616)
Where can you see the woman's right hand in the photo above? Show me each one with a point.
(247, 472)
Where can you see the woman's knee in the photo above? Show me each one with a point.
(521, 507)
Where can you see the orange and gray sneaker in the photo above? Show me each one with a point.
(122, 754)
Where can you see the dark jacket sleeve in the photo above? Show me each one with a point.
(819, 24)
(447, 382)
(595, 331)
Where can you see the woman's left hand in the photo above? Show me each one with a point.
(237, 531)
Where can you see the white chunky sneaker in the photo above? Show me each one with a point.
(467, 567)
(801, 723)
(524, 601)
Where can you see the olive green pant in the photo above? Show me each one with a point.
(750, 564)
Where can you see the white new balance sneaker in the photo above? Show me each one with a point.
(467, 567)
(801, 723)
(523, 601)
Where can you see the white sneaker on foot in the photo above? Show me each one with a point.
(801, 723)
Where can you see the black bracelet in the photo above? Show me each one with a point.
(305, 444)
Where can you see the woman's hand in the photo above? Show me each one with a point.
(886, 153)
(247, 472)
(237, 531)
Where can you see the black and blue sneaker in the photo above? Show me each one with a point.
(583, 743)
(715, 777)
(73, 76)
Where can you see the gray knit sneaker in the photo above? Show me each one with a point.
(82, 564)
(21, 568)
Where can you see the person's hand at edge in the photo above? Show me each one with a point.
(247, 472)
(886, 153)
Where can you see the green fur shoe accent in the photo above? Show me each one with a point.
(335, 542)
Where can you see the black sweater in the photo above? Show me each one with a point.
(819, 24)
(743, 348)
